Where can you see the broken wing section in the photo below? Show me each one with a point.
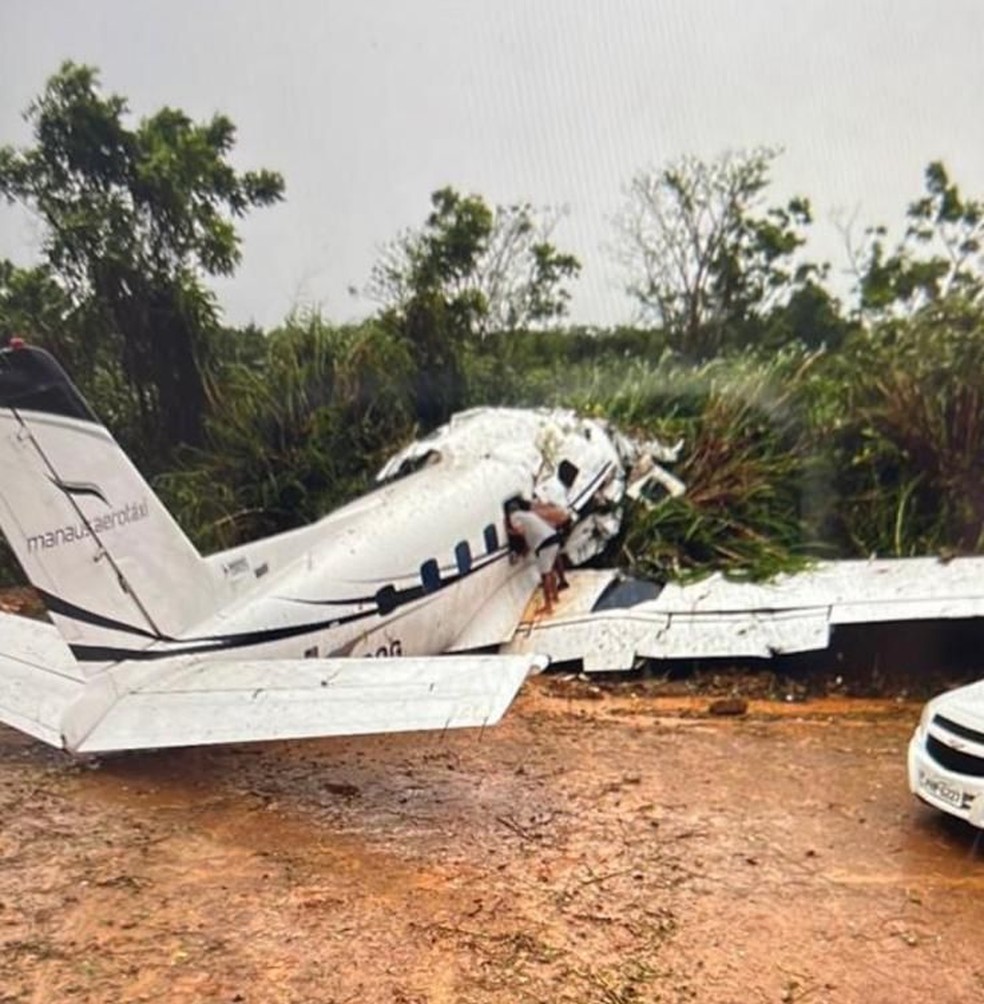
(718, 618)
(199, 702)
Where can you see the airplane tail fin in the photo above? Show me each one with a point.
(114, 569)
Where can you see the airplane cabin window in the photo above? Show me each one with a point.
(567, 473)
(386, 600)
(430, 575)
(462, 555)
(491, 539)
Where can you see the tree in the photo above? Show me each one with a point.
(940, 257)
(811, 316)
(32, 300)
(469, 271)
(135, 218)
(703, 259)
(495, 268)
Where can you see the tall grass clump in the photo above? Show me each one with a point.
(758, 485)
(905, 419)
(294, 436)
(753, 474)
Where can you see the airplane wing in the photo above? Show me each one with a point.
(718, 618)
(190, 701)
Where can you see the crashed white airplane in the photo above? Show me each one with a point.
(346, 626)
(369, 620)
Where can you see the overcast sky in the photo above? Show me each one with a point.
(367, 107)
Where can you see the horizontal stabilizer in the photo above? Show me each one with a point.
(190, 703)
(39, 679)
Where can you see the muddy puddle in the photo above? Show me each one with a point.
(594, 847)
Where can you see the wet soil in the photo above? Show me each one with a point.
(600, 845)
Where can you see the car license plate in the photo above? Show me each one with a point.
(940, 789)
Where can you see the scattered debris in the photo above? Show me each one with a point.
(728, 706)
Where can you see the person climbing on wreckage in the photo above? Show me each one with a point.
(551, 502)
(533, 533)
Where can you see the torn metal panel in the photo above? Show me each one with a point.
(612, 641)
(606, 465)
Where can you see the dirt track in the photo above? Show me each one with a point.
(610, 850)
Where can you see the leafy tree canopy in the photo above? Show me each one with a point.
(940, 255)
(495, 268)
(134, 217)
(469, 271)
(702, 255)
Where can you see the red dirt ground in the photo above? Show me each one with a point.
(595, 847)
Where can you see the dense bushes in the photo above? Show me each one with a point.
(905, 427)
(875, 448)
(294, 434)
(872, 448)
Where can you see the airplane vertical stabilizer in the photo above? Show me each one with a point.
(113, 567)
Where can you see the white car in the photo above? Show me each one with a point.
(946, 754)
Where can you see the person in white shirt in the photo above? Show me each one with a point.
(551, 502)
(544, 541)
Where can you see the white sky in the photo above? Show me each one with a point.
(367, 107)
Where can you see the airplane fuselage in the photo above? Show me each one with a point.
(401, 571)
